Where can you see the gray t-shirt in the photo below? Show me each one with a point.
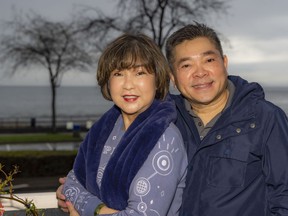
(157, 187)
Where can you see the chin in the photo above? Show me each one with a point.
(205, 101)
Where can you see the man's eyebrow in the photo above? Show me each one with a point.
(208, 52)
(184, 59)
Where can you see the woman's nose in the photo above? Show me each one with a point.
(128, 82)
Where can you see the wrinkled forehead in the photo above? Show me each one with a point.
(197, 47)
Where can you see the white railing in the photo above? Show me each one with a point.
(42, 200)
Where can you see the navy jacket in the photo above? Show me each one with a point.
(241, 167)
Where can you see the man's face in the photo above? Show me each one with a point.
(199, 71)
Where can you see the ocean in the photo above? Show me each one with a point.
(20, 101)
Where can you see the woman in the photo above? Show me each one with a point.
(132, 161)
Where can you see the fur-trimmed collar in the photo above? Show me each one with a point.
(128, 157)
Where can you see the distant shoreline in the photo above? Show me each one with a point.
(35, 101)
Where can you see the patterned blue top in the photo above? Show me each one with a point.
(157, 187)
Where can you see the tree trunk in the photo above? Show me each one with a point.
(53, 107)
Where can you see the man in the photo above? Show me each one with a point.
(237, 142)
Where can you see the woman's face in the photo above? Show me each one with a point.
(132, 90)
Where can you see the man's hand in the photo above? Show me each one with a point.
(60, 197)
(71, 209)
(107, 210)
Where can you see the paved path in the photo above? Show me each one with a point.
(40, 146)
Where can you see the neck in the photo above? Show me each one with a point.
(207, 112)
(127, 120)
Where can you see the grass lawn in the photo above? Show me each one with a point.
(38, 138)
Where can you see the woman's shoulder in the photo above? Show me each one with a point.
(173, 135)
(173, 130)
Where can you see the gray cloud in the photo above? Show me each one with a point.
(257, 32)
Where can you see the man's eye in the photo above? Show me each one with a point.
(210, 60)
(185, 66)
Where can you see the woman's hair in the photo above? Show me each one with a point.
(128, 51)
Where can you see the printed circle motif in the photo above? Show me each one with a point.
(142, 207)
(163, 162)
(142, 187)
(72, 193)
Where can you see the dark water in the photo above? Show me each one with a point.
(36, 101)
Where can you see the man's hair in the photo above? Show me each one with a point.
(128, 51)
(191, 32)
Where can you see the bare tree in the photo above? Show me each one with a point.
(157, 18)
(55, 46)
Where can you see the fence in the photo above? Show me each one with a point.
(39, 124)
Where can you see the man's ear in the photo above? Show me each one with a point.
(172, 79)
(225, 60)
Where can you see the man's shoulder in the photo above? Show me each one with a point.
(176, 97)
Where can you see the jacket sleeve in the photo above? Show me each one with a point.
(275, 163)
(75, 186)
(83, 201)
(79, 165)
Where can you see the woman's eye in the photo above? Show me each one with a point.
(141, 73)
(116, 74)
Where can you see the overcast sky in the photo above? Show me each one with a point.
(257, 31)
